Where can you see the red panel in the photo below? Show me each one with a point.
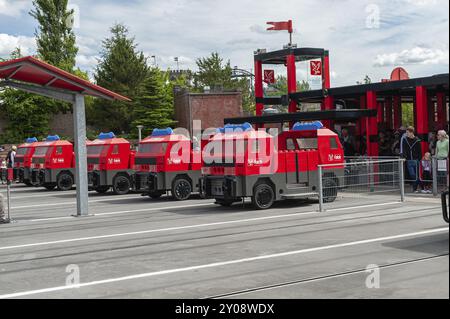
(422, 115)
(441, 110)
(38, 72)
(302, 161)
(372, 125)
(313, 160)
(291, 82)
(259, 91)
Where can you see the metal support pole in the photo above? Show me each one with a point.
(81, 177)
(320, 190)
(434, 166)
(8, 195)
(401, 179)
(371, 176)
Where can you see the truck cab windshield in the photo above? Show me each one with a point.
(95, 149)
(41, 151)
(23, 150)
(153, 148)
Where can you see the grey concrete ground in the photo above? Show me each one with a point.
(135, 247)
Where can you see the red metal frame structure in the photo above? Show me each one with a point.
(289, 57)
(428, 94)
(32, 75)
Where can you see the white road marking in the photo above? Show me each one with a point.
(152, 231)
(308, 281)
(221, 264)
(74, 203)
(123, 212)
(180, 227)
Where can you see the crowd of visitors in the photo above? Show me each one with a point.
(405, 144)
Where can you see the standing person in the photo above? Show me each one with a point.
(427, 175)
(432, 140)
(10, 158)
(348, 143)
(412, 152)
(3, 219)
(442, 145)
(3, 172)
(396, 145)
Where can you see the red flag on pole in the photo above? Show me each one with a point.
(283, 25)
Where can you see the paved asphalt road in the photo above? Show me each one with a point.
(135, 247)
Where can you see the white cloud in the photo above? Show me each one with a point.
(417, 55)
(13, 8)
(8, 43)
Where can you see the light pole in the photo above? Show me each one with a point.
(140, 127)
(176, 59)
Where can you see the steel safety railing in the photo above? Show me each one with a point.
(362, 182)
(433, 178)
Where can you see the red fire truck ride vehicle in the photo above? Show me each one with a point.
(257, 168)
(22, 161)
(53, 164)
(110, 164)
(167, 162)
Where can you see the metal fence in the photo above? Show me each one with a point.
(433, 178)
(361, 182)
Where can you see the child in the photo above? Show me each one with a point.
(426, 173)
(2, 210)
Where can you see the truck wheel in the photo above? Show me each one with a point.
(64, 182)
(263, 196)
(49, 187)
(102, 189)
(155, 195)
(121, 185)
(181, 189)
(330, 190)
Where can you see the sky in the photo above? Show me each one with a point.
(364, 37)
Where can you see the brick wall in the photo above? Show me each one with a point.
(210, 108)
(62, 124)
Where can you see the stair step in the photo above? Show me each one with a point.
(300, 195)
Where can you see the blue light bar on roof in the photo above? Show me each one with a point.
(31, 140)
(162, 132)
(52, 138)
(312, 126)
(106, 136)
(234, 128)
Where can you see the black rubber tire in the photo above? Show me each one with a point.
(181, 189)
(64, 182)
(102, 189)
(49, 187)
(155, 195)
(330, 190)
(263, 196)
(121, 185)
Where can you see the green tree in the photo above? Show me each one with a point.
(23, 112)
(55, 38)
(367, 80)
(155, 103)
(122, 69)
(215, 73)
